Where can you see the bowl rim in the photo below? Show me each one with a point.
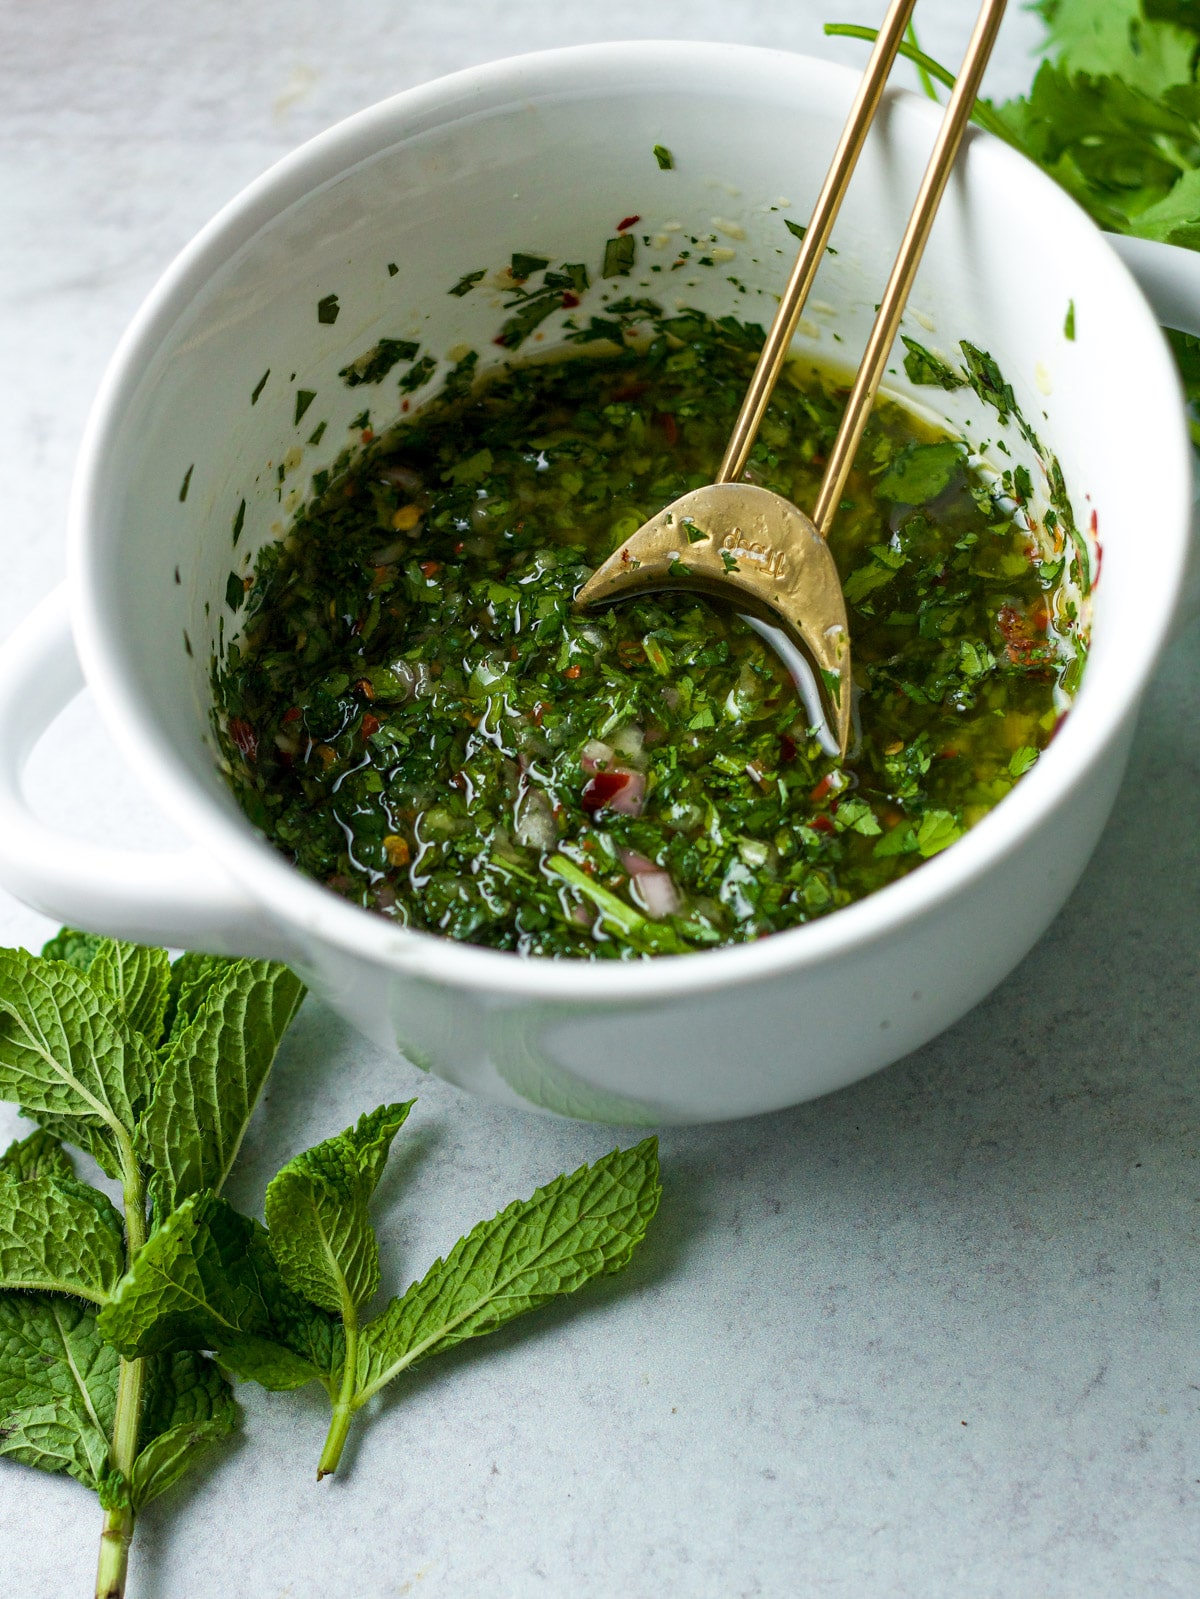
(301, 905)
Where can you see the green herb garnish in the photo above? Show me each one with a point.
(619, 256)
(467, 282)
(304, 398)
(375, 364)
(187, 479)
(259, 387)
(328, 308)
(663, 156)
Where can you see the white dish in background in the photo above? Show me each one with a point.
(546, 153)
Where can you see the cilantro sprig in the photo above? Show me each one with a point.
(110, 1317)
(1112, 114)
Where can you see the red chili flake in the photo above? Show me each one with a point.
(602, 788)
(404, 405)
(572, 672)
(627, 222)
(824, 824)
(370, 724)
(569, 301)
(787, 749)
(459, 547)
(629, 391)
(244, 736)
(501, 340)
(293, 715)
(948, 755)
(824, 787)
(367, 435)
(670, 428)
(428, 568)
(365, 687)
(539, 710)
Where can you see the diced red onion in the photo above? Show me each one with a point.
(657, 892)
(636, 864)
(401, 477)
(594, 755)
(630, 799)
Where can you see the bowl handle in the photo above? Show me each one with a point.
(1169, 277)
(181, 898)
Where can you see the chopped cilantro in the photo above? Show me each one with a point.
(467, 282)
(187, 479)
(619, 256)
(923, 366)
(524, 266)
(375, 364)
(235, 591)
(663, 156)
(239, 523)
(420, 372)
(1069, 323)
(392, 269)
(328, 308)
(318, 433)
(304, 398)
(259, 387)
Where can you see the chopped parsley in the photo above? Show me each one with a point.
(467, 282)
(328, 308)
(304, 398)
(375, 364)
(663, 156)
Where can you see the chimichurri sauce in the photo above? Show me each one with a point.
(415, 716)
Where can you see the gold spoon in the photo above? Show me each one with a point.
(742, 542)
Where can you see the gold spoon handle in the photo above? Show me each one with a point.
(829, 202)
(916, 235)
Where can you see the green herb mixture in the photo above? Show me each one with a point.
(417, 718)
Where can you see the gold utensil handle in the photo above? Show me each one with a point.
(829, 202)
(891, 308)
(912, 247)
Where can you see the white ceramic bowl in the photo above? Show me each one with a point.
(546, 153)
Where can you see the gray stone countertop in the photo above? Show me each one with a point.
(935, 1335)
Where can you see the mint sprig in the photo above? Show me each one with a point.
(282, 1305)
(109, 1318)
(153, 1070)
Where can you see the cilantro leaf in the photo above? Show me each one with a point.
(57, 1235)
(666, 161)
(923, 366)
(212, 1072)
(920, 472)
(316, 1211)
(578, 1227)
(619, 256)
(375, 364)
(467, 282)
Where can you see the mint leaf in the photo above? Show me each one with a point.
(137, 979)
(39, 1155)
(189, 1407)
(66, 1056)
(77, 949)
(573, 1229)
(206, 1279)
(58, 1387)
(316, 1210)
(57, 1235)
(227, 1026)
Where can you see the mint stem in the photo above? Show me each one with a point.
(344, 1406)
(114, 1554)
(117, 1534)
